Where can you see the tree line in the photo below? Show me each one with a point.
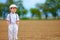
(50, 6)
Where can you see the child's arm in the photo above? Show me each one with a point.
(7, 19)
(8, 22)
(17, 20)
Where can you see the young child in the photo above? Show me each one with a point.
(13, 22)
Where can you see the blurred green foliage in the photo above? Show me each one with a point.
(50, 6)
(35, 12)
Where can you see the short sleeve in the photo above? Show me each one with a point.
(17, 17)
(7, 18)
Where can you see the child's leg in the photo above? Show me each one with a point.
(15, 32)
(10, 32)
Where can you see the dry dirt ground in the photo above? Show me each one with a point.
(34, 30)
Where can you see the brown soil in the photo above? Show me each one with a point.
(33, 30)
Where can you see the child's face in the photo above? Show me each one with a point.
(13, 9)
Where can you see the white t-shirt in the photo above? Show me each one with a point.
(12, 18)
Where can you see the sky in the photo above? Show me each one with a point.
(28, 4)
(31, 4)
(2, 1)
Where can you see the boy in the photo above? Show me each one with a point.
(13, 22)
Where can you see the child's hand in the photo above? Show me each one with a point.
(8, 22)
(17, 23)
